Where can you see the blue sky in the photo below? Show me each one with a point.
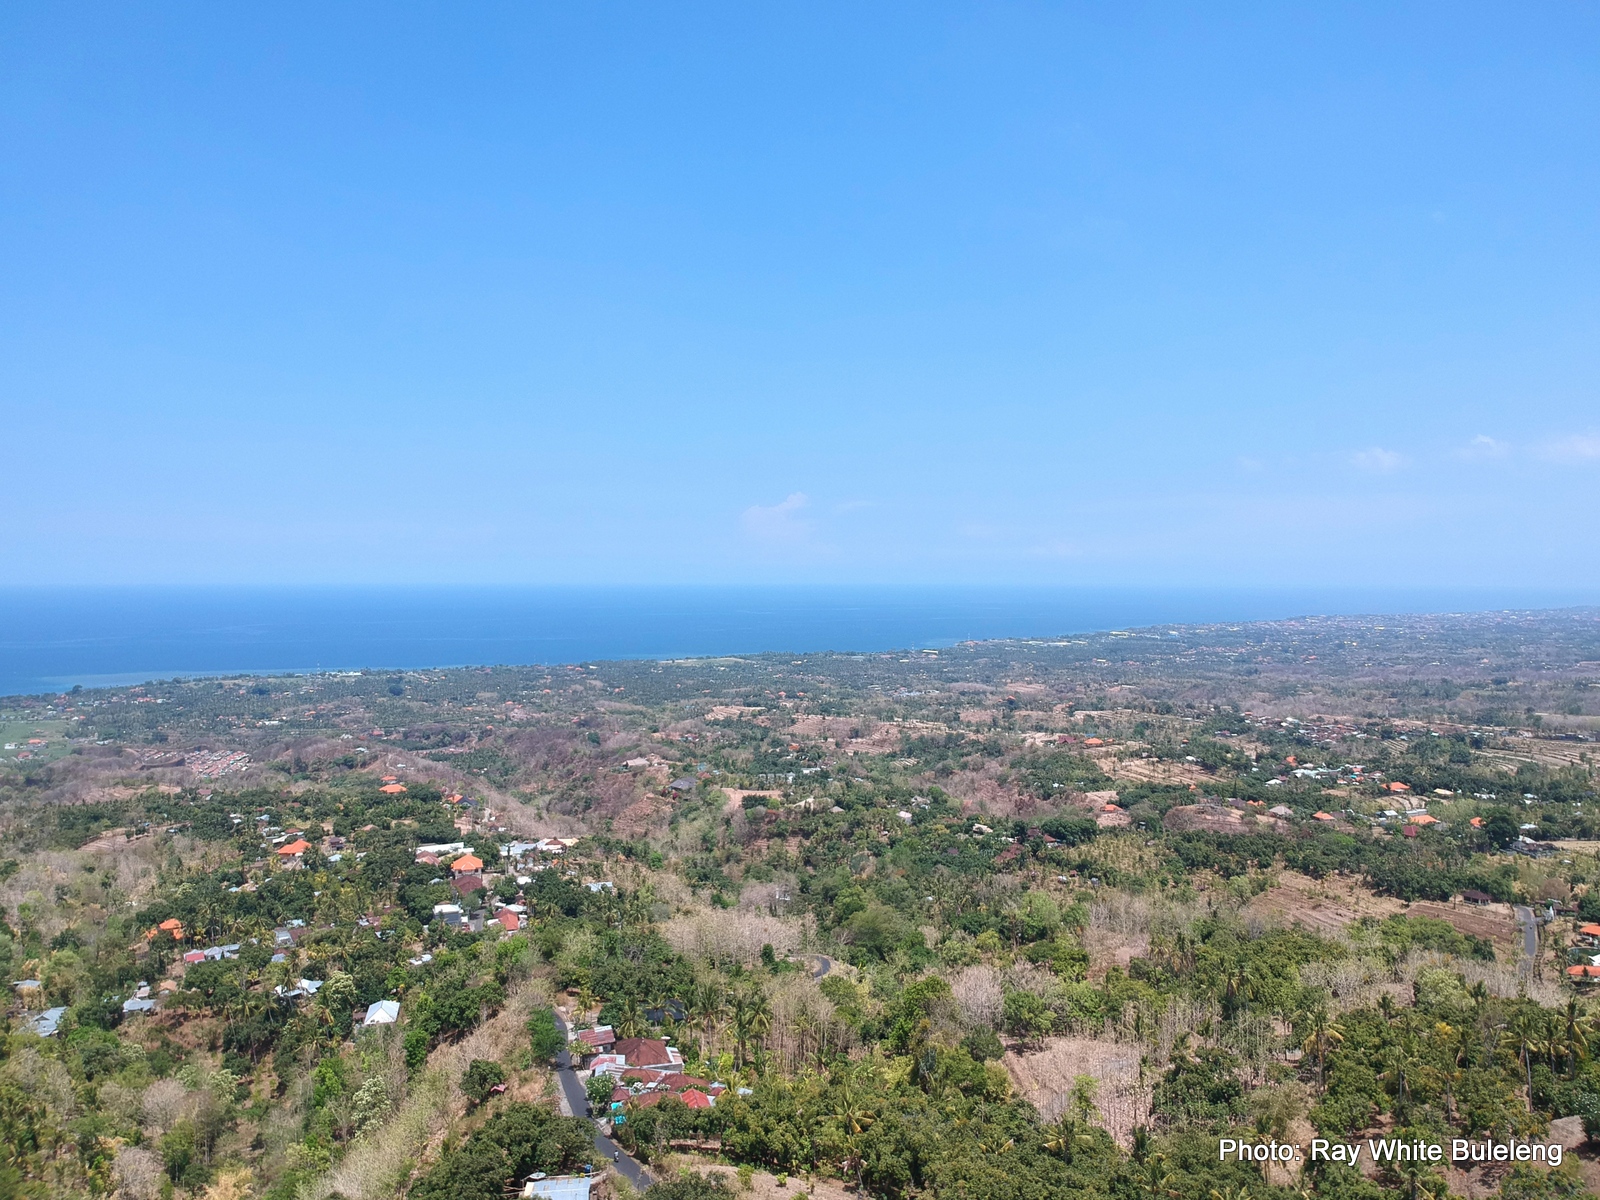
(1127, 294)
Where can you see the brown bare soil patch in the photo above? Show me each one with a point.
(837, 729)
(981, 791)
(1577, 846)
(1218, 818)
(639, 816)
(1499, 927)
(1323, 906)
(1108, 949)
(1326, 906)
(1540, 752)
(1148, 770)
(736, 797)
(1044, 1078)
(762, 1185)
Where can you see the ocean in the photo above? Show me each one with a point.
(53, 638)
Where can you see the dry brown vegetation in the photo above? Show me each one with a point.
(1122, 1095)
(379, 1162)
(1323, 906)
(1219, 818)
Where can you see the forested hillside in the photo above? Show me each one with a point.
(1005, 920)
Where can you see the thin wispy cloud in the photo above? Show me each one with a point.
(1575, 448)
(1378, 460)
(780, 522)
(1483, 447)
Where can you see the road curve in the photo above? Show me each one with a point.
(824, 965)
(578, 1101)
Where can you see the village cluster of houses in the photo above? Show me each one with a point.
(646, 1071)
(1586, 970)
(468, 874)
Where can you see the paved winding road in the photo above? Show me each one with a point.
(1530, 937)
(578, 1102)
(824, 965)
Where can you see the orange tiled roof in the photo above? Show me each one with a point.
(298, 846)
(466, 864)
(393, 788)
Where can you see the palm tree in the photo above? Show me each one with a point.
(707, 1005)
(1156, 1181)
(804, 1025)
(1321, 1034)
(752, 1017)
(630, 1018)
(760, 1015)
(1141, 1143)
(586, 1000)
(1419, 1182)
(1525, 1033)
(1575, 1036)
(854, 1118)
(1399, 1065)
(634, 909)
(1239, 988)
(210, 912)
(1062, 1136)
(1263, 1132)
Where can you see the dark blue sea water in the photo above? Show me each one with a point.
(54, 638)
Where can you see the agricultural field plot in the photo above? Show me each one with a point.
(1217, 818)
(33, 741)
(1328, 906)
(1149, 770)
(1541, 752)
(1493, 922)
(1046, 1077)
(1324, 906)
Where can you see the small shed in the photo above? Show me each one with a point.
(384, 1012)
(46, 1023)
(557, 1187)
